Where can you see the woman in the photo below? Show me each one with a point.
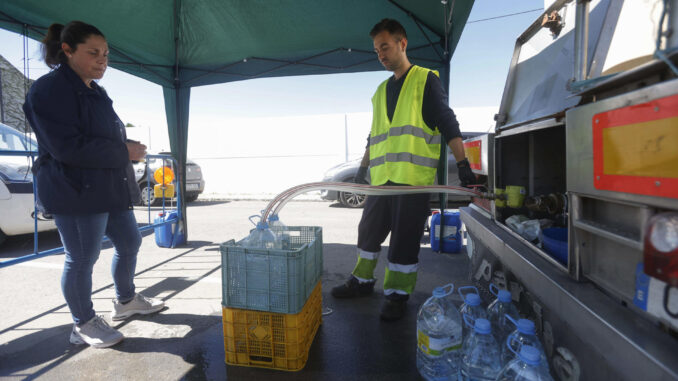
(85, 178)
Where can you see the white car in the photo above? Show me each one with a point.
(16, 186)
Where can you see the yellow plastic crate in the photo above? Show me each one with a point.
(272, 340)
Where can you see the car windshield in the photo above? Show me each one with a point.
(13, 166)
(13, 140)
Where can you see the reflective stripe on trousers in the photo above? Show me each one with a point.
(364, 268)
(400, 279)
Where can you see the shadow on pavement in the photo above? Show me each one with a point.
(352, 343)
(47, 346)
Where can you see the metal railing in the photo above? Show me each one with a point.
(151, 225)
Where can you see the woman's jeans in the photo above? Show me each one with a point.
(81, 236)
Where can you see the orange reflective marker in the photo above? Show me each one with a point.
(163, 175)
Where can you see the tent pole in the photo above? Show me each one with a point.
(444, 150)
(181, 139)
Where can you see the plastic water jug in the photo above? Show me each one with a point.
(524, 335)
(280, 230)
(472, 305)
(261, 237)
(527, 367)
(439, 337)
(451, 234)
(497, 311)
(481, 356)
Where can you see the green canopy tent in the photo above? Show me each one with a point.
(180, 44)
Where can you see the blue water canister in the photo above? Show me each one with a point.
(451, 234)
(481, 356)
(498, 310)
(527, 367)
(164, 235)
(439, 337)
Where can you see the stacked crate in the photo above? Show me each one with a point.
(272, 300)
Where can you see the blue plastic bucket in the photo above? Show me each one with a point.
(555, 243)
(451, 235)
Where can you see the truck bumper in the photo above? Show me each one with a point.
(610, 341)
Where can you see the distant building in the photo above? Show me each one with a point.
(12, 95)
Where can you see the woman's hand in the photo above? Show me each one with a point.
(137, 151)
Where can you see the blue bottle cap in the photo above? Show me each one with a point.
(262, 225)
(525, 326)
(273, 217)
(439, 292)
(472, 299)
(504, 296)
(482, 326)
(530, 355)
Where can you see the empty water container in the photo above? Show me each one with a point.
(497, 311)
(261, 237)
(439, 337)
(524, 335)
(472, 305)
(481, 356)
(279, 229)
(527, 367)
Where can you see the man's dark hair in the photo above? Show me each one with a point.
(390, 25)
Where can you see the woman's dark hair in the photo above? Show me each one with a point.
(74, 33)
(390, 25)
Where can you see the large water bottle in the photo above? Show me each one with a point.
(497, 312)
(439, 337)
(524, 335)
(279, 229)
(481, 356)
(471, 306)
(527, 367)
(261, 237)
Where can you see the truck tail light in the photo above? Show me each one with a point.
(661, 248)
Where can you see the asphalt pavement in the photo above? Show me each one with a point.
(185, 340)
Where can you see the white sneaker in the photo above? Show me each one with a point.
(139, 305)
(96, 332)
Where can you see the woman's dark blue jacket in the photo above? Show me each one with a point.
(83, 165)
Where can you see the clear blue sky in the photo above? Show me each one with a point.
(479, 68)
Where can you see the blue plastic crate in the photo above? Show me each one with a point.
(275, 280)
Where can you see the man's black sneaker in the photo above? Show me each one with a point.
(394, 307)
(353, 288)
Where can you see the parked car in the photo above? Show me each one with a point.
(16, 186)
(345, 172)
(195, 184)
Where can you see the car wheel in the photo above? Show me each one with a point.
(2, 237)
(352, 200)
(147, 195)
(192, 197)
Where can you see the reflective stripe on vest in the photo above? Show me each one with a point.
(404, 150)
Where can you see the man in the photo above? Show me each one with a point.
(410, 118)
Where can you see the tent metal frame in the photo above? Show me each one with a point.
(181, 87)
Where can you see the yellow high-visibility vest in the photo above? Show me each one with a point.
(404, 150)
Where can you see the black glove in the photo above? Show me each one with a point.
(466, 175)
(360, 176)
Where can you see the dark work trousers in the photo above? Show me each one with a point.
(403, 216)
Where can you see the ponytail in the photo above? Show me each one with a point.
(73, 34)
(51, 46)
